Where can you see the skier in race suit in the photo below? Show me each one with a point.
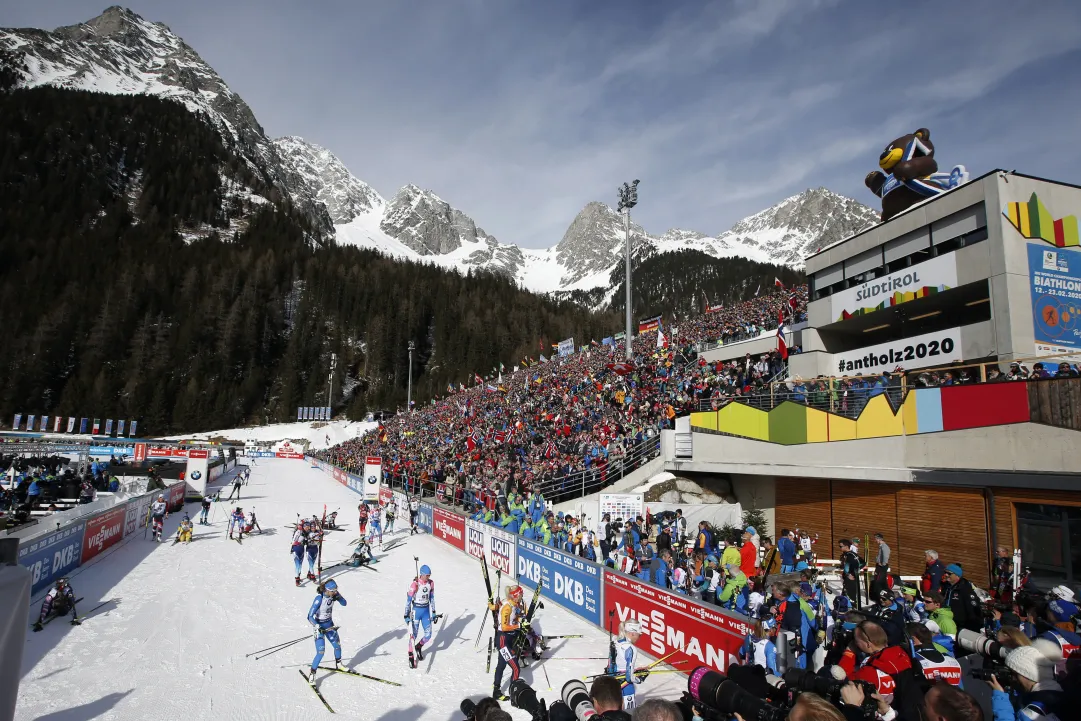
(391, 512)
(315, 534)
(420, 600)
(207, 500)
(321, 617)
(626, 661)
(300, 540)
(362, 509)
(159, 509)
(414, 509)
(511, 617)
(59, 601)
(236, 520)
(375, 527)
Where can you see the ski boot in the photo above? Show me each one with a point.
(420, 653)
(298, 580)
(311, 676)
(339, 666)
(499, 695)
(311, 576)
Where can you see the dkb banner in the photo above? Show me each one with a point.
(572, 582)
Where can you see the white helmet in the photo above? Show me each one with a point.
(1063, 592)
(632, 626)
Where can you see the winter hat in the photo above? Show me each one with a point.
(750, 530)
(802, 566)
(955, 569)
(932, 626)
(1064, 592)
(805, 588)
(1027, 661)
(1062, 610)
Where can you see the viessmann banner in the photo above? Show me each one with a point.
(448, 527)
(671, 622)
(922, 351)
(918, 281)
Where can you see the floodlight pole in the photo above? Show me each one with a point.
(409, 386)
(628, 198)
(330, 385)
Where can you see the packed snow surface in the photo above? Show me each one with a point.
(172, 641)
(320, 434)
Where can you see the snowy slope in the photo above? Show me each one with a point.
(173, 642)
(316, 432)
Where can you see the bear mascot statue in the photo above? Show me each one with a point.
(910, 174)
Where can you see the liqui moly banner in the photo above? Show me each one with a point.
(137, 513)
(373, 478)
(103, 531)
(448, 527)
(140, 452)
(476, 542)
(174, 496)
(570, 581)
(699, 634)
(197, 472)
(53, 555)
(502, 551)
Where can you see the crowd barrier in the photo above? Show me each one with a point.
(55, 553)
(696, 633)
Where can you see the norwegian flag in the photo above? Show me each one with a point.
(500, 436)
(477, 379)
(550, 450)
(473, 440)
(782, 346)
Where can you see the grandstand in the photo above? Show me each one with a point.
(945, 298)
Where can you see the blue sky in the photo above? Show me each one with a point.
(519, 113)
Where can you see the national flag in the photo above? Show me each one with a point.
(662, 342)
(491, 389)
(550, 450)
(473, 440)
(500, 436)
(450, 388)
(782, 347)
(540, 343)
(777, 282)
(793, 301)
(477, 379)
(501, 368)
(461, 386)
(594, 343)
(382, 434)
(622, 368)
(543, 359)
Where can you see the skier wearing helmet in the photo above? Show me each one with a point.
(159, 510)
(420, 608)
(511, 616)
(58, 602)
(300, 540)
(321, 617)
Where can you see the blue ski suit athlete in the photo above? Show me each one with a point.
(321, 617)
(420, 599)
(313, 547)
(300, 540)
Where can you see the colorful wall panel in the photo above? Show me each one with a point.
(924, 410)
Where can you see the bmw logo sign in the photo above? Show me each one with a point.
(372, 479)
(196, 475)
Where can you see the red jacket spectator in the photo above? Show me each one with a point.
(748, 554)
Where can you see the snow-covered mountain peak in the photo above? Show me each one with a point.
(345, 196)
(121, 53)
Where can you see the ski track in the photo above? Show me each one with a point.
(174, 642)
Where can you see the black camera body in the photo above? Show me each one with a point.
(1005, 676)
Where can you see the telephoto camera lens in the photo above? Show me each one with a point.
(720, 693)
(468, 708)
(975, 642)
(576, 696)
(524, 697)
(703, 684)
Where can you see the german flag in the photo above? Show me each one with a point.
(382, 434)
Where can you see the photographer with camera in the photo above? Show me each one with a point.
(1039, 696)
(889, 669)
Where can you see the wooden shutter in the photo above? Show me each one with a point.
(861, 510)
(951, 521)
(804, 502)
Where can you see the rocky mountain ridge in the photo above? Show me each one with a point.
(121, 53)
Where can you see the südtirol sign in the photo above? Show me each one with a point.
(918, 281)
